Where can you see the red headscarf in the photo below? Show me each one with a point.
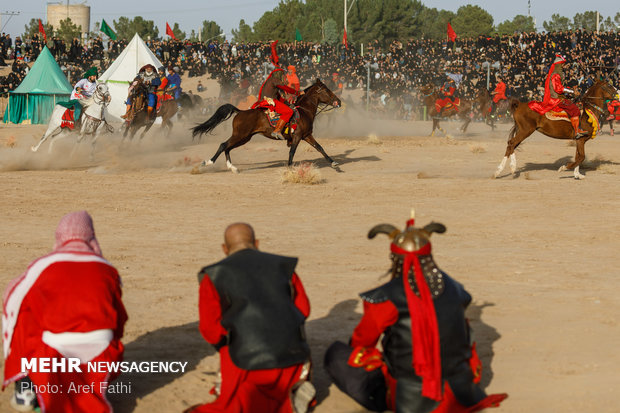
(424, 330)
(75, 232)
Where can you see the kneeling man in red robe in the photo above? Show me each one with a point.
(62, 313)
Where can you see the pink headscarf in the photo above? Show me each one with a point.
(75, 232)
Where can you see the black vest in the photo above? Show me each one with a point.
(265, 329)
(454, 342)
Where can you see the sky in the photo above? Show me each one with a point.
(227, 13)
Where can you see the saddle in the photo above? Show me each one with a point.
(557, 115)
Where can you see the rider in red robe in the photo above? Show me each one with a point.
(273, 92)
(500, 91)
(555, 99)
(447, 91)
(614, 114)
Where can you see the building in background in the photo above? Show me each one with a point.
(78, 13)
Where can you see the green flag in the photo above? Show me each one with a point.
(297, 35)
(107, 30)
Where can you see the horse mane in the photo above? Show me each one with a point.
(306, 90)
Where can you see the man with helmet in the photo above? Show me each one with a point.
(148, 75)
(428, 363)
(555, 97)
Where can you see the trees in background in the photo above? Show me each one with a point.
(126, 28)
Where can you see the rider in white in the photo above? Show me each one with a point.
(85, 87)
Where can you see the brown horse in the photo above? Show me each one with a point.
(247, 123)
(527, 121)
(486, 107)
(138, 115)
(430, 93)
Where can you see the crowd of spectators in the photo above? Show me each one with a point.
(396, 71)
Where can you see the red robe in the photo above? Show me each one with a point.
(500, 92)
(247, 391)
(64, 292)
(554, 80)
(614, 109)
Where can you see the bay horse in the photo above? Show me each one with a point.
(430, 94)
(486, 107)
(248, 123)
(138, 114)
(526, 121)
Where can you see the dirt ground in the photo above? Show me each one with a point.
(537, 251)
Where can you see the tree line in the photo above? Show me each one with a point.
(368, 21)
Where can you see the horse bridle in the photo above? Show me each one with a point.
(606, 88)
(100, 96)
(326, 105)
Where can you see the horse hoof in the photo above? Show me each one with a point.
(562, 168)
(206, 162)
(579, 176)
(234, 169)
(334, 164)
(33, 149)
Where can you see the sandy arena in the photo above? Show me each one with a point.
(538, 251)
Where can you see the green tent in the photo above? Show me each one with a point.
(34, 99)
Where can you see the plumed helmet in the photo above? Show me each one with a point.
(559, 59)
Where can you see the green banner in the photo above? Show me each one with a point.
(297, 35)
(107, 30)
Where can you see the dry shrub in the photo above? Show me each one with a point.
(373, 139)
(423, 175)
(10, 142)
(303, 173)
(477, 148)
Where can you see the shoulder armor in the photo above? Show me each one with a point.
(374, 296)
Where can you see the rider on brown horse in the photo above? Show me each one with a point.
(555, 99)
(275, 94)
(499, 93)
(447, 91)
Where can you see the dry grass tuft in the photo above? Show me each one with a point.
(373, 139)
(477, 148)
(304, 173)
(423, 175)
(529, 177)
(10, 142)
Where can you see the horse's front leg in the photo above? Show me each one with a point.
(44, 138)
(580, 155)
(310, 139)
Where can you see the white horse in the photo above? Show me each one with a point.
(92, 118)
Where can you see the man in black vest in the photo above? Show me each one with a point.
(252, 309)
(428, 363)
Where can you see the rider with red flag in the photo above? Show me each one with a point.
(554, 97)
(276, 94)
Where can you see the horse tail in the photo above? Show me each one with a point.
(513, 131)
(221, 114)
(514, 104)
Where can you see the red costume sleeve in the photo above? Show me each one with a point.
(210, 312)
(377, 317)
(287, 89)
(301, 299)
(556, 83)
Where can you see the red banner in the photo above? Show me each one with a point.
(169, 31)
(42, 31)
(344, 39)
(451, 33)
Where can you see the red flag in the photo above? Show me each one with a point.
(169, 31)
(344, 39)
(451, 33)
(274, 54)
(42, 31)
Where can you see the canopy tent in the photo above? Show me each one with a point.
(122, 71)
(34, 99)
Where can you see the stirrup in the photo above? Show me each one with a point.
(580, 134)
(277, 135)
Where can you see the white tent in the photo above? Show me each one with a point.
(122, 71)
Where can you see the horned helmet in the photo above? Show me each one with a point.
(413, 241)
